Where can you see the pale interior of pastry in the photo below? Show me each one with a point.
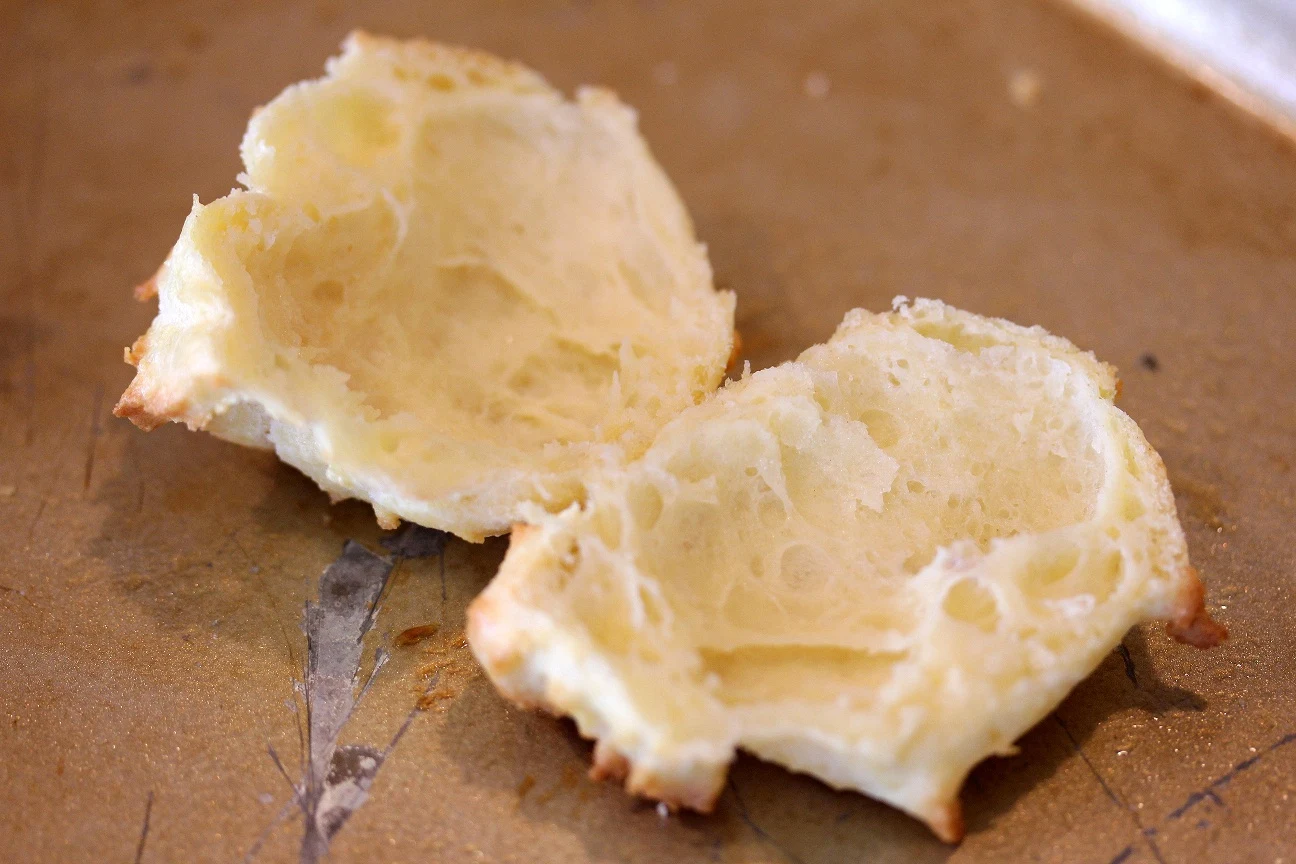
(445, 289)
(877, 564)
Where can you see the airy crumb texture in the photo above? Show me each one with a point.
(877, 564)
(446, 290)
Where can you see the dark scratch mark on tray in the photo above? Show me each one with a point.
(336, 778)
(96, 428)
(28, 219)
(1130, 671)
(1123, 855)
(1079, 751)
(760, 832)
(144, 829)
(20, 594)
(1210, 793)
(1147, 833)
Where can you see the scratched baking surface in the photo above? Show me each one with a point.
(1008, 156)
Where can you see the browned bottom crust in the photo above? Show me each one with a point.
(947, 822)
(731, 365)
(1191, 624)
(147, 289)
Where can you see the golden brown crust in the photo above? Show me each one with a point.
(136, 413)
(520, 532)
(608, 763)
(147, 289)
(134, 406)
(735, 353)
(482, 614)
(135, 353)
(946, 822)
(1191, 624)
(699, 799)
(387, 520)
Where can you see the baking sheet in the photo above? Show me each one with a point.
(1243, 49)
(1010, 157)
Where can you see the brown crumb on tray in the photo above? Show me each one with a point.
(414, 635)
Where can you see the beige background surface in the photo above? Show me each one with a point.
(151, 586)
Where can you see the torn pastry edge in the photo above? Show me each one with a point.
(135, 407)
(1189, 622)
(944, 818)
(608, 763)
(149, 411)
(148, 289)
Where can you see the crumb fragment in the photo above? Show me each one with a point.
(1192, 624)
(1024, 87)
(816, 85)
(427, 700)
(414, 635)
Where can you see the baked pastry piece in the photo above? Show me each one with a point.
(877, 564)
(445, 290)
